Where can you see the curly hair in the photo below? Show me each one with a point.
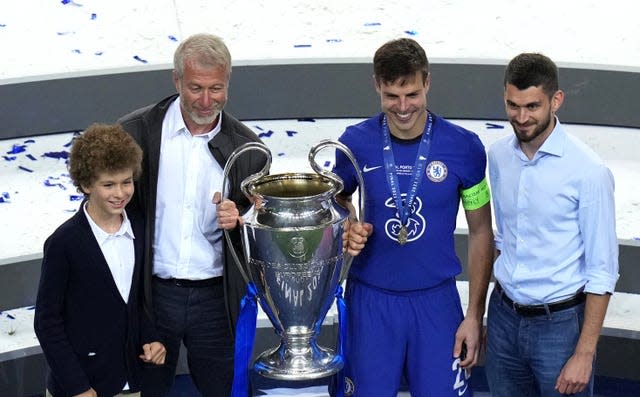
(103, 148)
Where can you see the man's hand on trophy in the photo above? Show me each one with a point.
(226, 212)
(355, 236)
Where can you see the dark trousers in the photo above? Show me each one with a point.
(196, 317)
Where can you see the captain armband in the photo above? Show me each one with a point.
(476, 196)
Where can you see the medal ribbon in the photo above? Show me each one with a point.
(418, 168)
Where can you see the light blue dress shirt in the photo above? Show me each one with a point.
(555, 219)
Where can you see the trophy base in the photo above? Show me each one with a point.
(312, 362)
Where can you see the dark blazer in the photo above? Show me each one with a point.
(145, 125)
(89, 335)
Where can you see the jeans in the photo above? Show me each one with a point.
(197, 317)
(526, 354)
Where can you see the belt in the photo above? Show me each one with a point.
(539, 310)
(186, 283)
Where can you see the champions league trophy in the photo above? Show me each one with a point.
(292, 246)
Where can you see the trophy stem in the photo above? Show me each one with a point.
(298, 358)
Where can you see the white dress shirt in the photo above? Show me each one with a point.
(118, 251)
(188, 242)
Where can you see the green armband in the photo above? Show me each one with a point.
(476, 196)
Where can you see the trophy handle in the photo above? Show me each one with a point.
(250, 146)
(361, 199)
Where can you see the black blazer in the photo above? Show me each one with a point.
(89, 335)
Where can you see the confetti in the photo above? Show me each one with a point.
(30, 141)
(307, 119)
(94, 16)
(10, 158)
(25, 168)
(291, 133)
(137, 58)
(17, 149)
(372, 24)
(172, 38)
(30, 156)
(327, 164)
(492, 126)
(57, 155)
(334, 40)
(258, 127)
(265, 134)
(301, 45)
(411, 32)
(75, 197)
(280, 154)
(76, 51)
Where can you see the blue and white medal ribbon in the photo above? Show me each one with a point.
(404, 209)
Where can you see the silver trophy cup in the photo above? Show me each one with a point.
(292, 246)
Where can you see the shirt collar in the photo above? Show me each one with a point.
(554, 144)
(102, 236)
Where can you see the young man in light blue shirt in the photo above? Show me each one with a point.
(557, 261)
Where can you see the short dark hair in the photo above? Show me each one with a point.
(531, 69)
(399, 58)
(102, 148)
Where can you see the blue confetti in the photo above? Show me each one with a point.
(334, 40)
(75, 197)
(411, 32)
(3, 200)
(172, 38)
(258, 127)
(57, 155)
(98, 53)
(30, 141)
(68, 143)
(291, 133)
(70, 210)
(94, 16)
(17, 149)
(280, 154)
(307, 119)
(492, 126)
(51, 184)
(25, 168)
(76, 51)
(137, 58)
(10, 158)
(301, 45)
(3, 25)
(10, 316)
(66, 1)
(30, 156)
(265, 134)
(372, 24)
(327, 164)
(5, 195)
(66, 33)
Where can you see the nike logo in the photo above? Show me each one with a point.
(367, 169)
